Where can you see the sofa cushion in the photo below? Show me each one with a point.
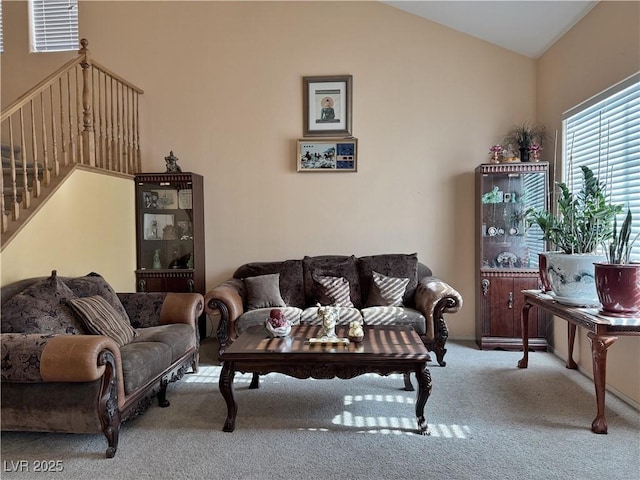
(386, 291)
(331, 266)
(334, 291)
(142, 361)
(180, 337)
(395, 316)
(100, 318)
(291, 284)
(40, 308)
(391, 265)
(345, 316)
(260, 315)
(263, 291)
(143, 308)
(94, 284)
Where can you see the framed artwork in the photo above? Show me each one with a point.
(327, 106)
(327, 155)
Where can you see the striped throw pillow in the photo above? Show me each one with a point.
(100, 318)
(387, 291)
(335, 291)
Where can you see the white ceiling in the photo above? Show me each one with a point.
(525, 27)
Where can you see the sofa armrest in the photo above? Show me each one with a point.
(226, 299)
(182, 308)
(434, 298)
(34, 358)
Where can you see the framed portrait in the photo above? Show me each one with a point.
(327, 155)
(327, 106)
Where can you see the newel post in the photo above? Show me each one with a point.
(88, 134)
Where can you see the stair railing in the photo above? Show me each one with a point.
(82, 114)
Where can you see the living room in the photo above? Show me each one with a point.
(222, 88)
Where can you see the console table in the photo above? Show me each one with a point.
(603, 332)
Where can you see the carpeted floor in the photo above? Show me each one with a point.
(488, 420)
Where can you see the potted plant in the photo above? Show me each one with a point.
(584, 220)
(524, 136)
(618, 279)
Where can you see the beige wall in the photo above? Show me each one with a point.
(77, 237)
(223, 90)
(598, 52)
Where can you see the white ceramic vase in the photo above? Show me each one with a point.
(572, 278)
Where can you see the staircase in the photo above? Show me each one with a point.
(81, 116)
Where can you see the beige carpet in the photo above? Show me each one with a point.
(488, 419)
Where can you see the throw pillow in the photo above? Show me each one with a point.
(331, 266)
(94, 284)
(392, 265)
(263, 291)
(100, 318)
(40, 308)
(334, 291)
(387, 291)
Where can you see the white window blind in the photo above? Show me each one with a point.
(603, 134)
(53, 25)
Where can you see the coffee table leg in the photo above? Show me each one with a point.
(226, 389)
(423, 377)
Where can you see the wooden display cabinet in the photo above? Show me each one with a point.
(170, 232)
(507, 253)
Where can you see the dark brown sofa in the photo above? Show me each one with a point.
(59, 376)
(420, 299)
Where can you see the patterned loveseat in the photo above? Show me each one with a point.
(79, 358)
(387, 289)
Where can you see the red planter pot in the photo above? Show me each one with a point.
(618, 288)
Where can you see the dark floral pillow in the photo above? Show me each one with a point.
(40, 308)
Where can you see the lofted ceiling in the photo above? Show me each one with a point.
(525, 27)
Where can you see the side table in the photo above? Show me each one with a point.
(603, 332)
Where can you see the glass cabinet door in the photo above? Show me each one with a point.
(507, 192)
(165, 226)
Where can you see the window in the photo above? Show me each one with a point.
(53, 25)
(603, 134)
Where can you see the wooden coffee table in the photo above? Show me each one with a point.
(384, 350)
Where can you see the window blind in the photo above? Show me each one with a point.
(603, 134)
(53, 25)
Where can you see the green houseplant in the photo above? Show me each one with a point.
(584, 220)
(618, 279)
(524, 136)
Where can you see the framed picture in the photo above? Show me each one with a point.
(327, 106)
(155, 225)
(327, 155)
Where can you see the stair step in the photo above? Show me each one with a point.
(5, 150)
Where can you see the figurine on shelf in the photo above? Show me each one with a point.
(172, 163)
(156, 260)
(534, 150)
(496, 153)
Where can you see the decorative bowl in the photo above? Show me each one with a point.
(278, 331)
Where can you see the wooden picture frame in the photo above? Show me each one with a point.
(327, 155)
(327, 106)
